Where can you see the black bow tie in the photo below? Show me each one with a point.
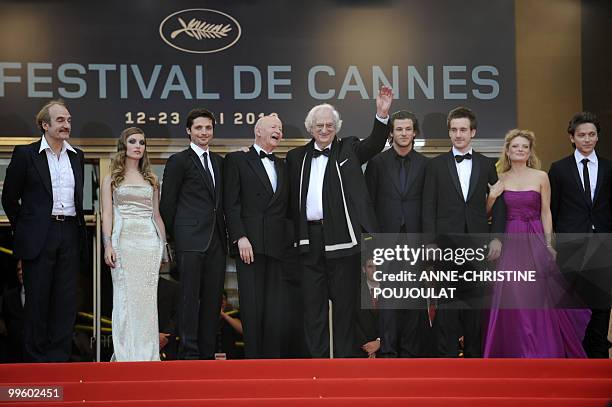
(317, 153)
(460, 157)
(262, 155)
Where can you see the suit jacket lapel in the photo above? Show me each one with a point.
(601, 171)
(198, 163)
(42, 166)
(258, 167)
(389, 160)
(279, 166)
(78, 178)
(452, 168)
(476, 164)
(216, 165)
(305, 176)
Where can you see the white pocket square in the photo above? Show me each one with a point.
(342, 163)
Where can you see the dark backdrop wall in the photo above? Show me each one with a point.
(597, 67)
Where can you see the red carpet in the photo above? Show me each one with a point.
(362, 382)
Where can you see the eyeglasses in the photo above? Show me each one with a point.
(321, 126)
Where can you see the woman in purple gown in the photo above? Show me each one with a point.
(522, 321)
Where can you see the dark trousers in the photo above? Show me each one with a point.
(404, 333)
(202, 277)
(261, 306)
(329, 279)
(595, 342)
(450, 324)
(50, 282)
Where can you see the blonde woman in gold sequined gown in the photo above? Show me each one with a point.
(134, 241)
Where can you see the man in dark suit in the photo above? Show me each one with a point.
(13, 301)
(581, 202)
(330, 207)
(367, 328)
(395, 181)
(454, 202)
(256, 199)
(43, 199)
(191, 207)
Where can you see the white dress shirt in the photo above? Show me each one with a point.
(593, 167)
(268, 165)
(464, 170)
(207, 166)
(314, 200)
(62, 178)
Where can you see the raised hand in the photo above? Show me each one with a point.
(383, 101)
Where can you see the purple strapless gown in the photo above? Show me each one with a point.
(530, 333)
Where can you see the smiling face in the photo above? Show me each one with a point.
(59, 125)
(323, 129)
(518, 149)
(461, 133)
(135, 145)
(268, 133)
(201, 132)
(585, 138)
(403, 133)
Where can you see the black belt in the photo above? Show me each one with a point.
(63, 218)
(316, 222)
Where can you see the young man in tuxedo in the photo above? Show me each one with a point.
(43, 199)
(454, 202)
(191, 207)
(581, 202)
(395, 181)
(330, 207)
(256, 200)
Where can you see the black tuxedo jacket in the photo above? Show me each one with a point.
(352, 154)
(27, 198)
(190, 205)
(252, 208)
(396, 206)
(445, 210)
(571, 212)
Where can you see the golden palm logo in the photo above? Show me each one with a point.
(201, 29)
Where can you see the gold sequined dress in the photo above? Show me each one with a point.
(138, 247)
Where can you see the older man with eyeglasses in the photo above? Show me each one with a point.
(331, 207)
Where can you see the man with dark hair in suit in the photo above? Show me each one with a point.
(191, 207)
(43, 199)
(454, 202)
(395, 181)
(330, 207)
(256, 200)
(581, 202)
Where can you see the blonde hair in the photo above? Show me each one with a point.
(118, 163)
(503, 163)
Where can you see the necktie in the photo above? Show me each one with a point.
(317, 153)
(206, 169)
(403, 172)
(587, 180)
(374, 299)
(262, 155)
(460, 157)
(431, 312)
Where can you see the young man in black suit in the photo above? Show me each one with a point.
(43, 199)
(331, 208)
(256, 200)
(191, 207)
(395, 181)
(581, 202)
(454, 202)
